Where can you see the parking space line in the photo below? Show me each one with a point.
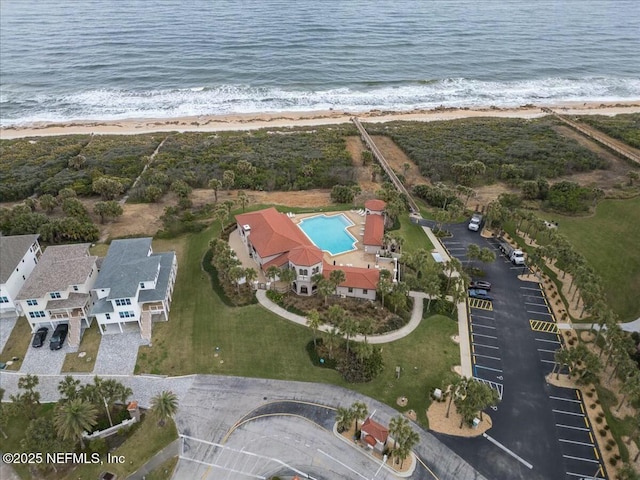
(548, 341)
(547, 361)
(582, 429)
(547, 313)
(536, 304)
(475, 315)
(483, 326)
(564, 412)
(529, 288)
(485, 346)
(576, 443)
(565, 399)
(487, 356)
(485, 336)
(581, 459)
(581, 475)
(489, 368)
(550, 351)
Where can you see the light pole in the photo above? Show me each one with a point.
(384, 460)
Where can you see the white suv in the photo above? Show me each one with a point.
(475, 222)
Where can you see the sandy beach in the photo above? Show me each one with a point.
(215, 123)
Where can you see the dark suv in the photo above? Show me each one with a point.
(59, 336)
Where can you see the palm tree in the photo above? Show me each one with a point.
(360, 412)
(272, 273)
(164, 406)
(68, 388)
(250, 275)
(344, 417)
(348, 327)
(243, 198)
(73, 418)
(326, 288)
(397, 426)
(314, 322)
(287, 275)
(215, 185)
(408, 440)
(333, 337)
(337, 277)
(561, 358)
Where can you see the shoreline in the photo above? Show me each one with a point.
(253, 121)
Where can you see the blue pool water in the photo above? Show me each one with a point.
(329, 233)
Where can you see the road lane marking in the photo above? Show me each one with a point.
(513, 454)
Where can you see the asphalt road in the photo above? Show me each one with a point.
(513, 340)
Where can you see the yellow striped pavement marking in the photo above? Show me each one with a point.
(480, 304)
(542, 326)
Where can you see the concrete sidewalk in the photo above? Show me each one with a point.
(416, 318)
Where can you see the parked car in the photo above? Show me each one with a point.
(480, 294)
(39, 337)
(480, 284)
(475, 223)
(59, 336)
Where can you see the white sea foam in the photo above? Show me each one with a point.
(111, 104)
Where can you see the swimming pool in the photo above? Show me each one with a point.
(329, 233)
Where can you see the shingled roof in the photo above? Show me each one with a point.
(12, 250)
(59, 267)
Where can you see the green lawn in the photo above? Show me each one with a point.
(414, 236)
(253, 342)
(89, 344)
(17, 344)
(610, 241)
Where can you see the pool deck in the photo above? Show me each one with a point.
(354, 258)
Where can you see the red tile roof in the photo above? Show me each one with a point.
(279, 261)
(373, 230)
(305, 255)
(272, 232)
(356, 277)
(375, 205)
(377, 431)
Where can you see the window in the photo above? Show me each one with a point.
(120, 302)
(315, 270)
(350, 290)
(75, 288)
(54, 294)
(127, 314)
(304, 271)
(4, 300)
(39, 314)
(32, 302)
(141, 284)
(365, 291)
(107, 316)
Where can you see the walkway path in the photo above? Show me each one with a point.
(416, 317)
(170, 451)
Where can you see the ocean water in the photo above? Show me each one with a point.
(112, 59)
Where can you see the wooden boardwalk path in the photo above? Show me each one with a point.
(366, 138)
(616, 145)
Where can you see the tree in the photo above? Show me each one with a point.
(337, 277)
(348, 327)
(72, 207)
(69, 388)
(344, 418)
(487, 255)
(73, 418)
(250, 275)
(630, 388)
(47, 202)
(272, 273)
(360, 412)
(561, 358)
(152, 193)
(107, 209)
(332, 339)
(633, 176)
(314, 322)
(398, 425)
(215, 185)
(243, 198)
(326, 288)
(164, 406)
(66, 193)
(29, 399)
(473, 252)
(77, 162)
(228, 179)
(181, 188)
(236, 274)
(108, 187)
(385, 285)
(41, 437)
(287, 275)
(221, 213)
(408, 440)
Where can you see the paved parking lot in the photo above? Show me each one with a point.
(513, 340)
